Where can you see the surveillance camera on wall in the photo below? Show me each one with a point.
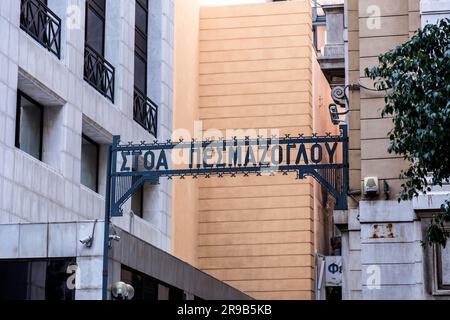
(87, 241)
(335, 114)
(114, 237)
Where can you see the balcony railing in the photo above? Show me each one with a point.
(98, 72)
(42, 24)
(145, 112)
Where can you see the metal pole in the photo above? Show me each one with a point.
(106, 231)
(110, 168)
(346, 166)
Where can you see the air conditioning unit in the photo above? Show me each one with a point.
(371, 186)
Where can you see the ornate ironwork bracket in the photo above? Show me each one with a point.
(339, 95)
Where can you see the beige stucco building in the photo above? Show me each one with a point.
(251, 67)
(381, 238)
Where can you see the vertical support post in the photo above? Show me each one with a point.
(109, 196)
(346, 169)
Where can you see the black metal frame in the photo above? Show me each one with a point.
(83, 136)
(100, 12)
(21, 95)
(42, 24)
(98, 72)
(122, 184)
(145, 112)
(138, 32)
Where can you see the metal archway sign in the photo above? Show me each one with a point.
(325, 158)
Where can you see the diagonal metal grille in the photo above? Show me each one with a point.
(41, 24)
(334, 177)
(145, 112)
(98, 72)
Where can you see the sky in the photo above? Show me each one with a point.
(227, 2)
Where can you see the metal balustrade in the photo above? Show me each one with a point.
(98, 72)
(41, 24)
(145, 112)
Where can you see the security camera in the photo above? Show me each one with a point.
(122, 291)
(334, 114)
(114, 237)
(87, 241)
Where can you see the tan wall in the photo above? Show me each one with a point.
(256, 69)
(323, 202)
(186, 98)
(368, 131)
(257, 233)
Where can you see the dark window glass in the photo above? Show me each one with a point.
(56, 281)
(163, 292)
(145, 287)
(89, 163)
(29, 125)
(99, 5)
(140, 74)
(35, 280)
(141, 18)
(141, 43)
(95, 30)
(149, 288)
(137, 201)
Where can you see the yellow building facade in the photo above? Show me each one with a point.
(250, 67)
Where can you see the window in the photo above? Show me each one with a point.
(89, 163)
(149, 288)
(145, 111)
(141, 43)
(98, 72)
(29, 126)
(442, 262)
(137, 201)
(95, 25)
(35, 279)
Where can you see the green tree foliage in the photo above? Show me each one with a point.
(416, 77)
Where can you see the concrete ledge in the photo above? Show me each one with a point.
(431, 201)
(340, 218)
(386, 211)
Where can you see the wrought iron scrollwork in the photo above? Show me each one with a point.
(339, 95)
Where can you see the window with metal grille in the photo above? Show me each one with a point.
(145, 111)
(98, 72)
